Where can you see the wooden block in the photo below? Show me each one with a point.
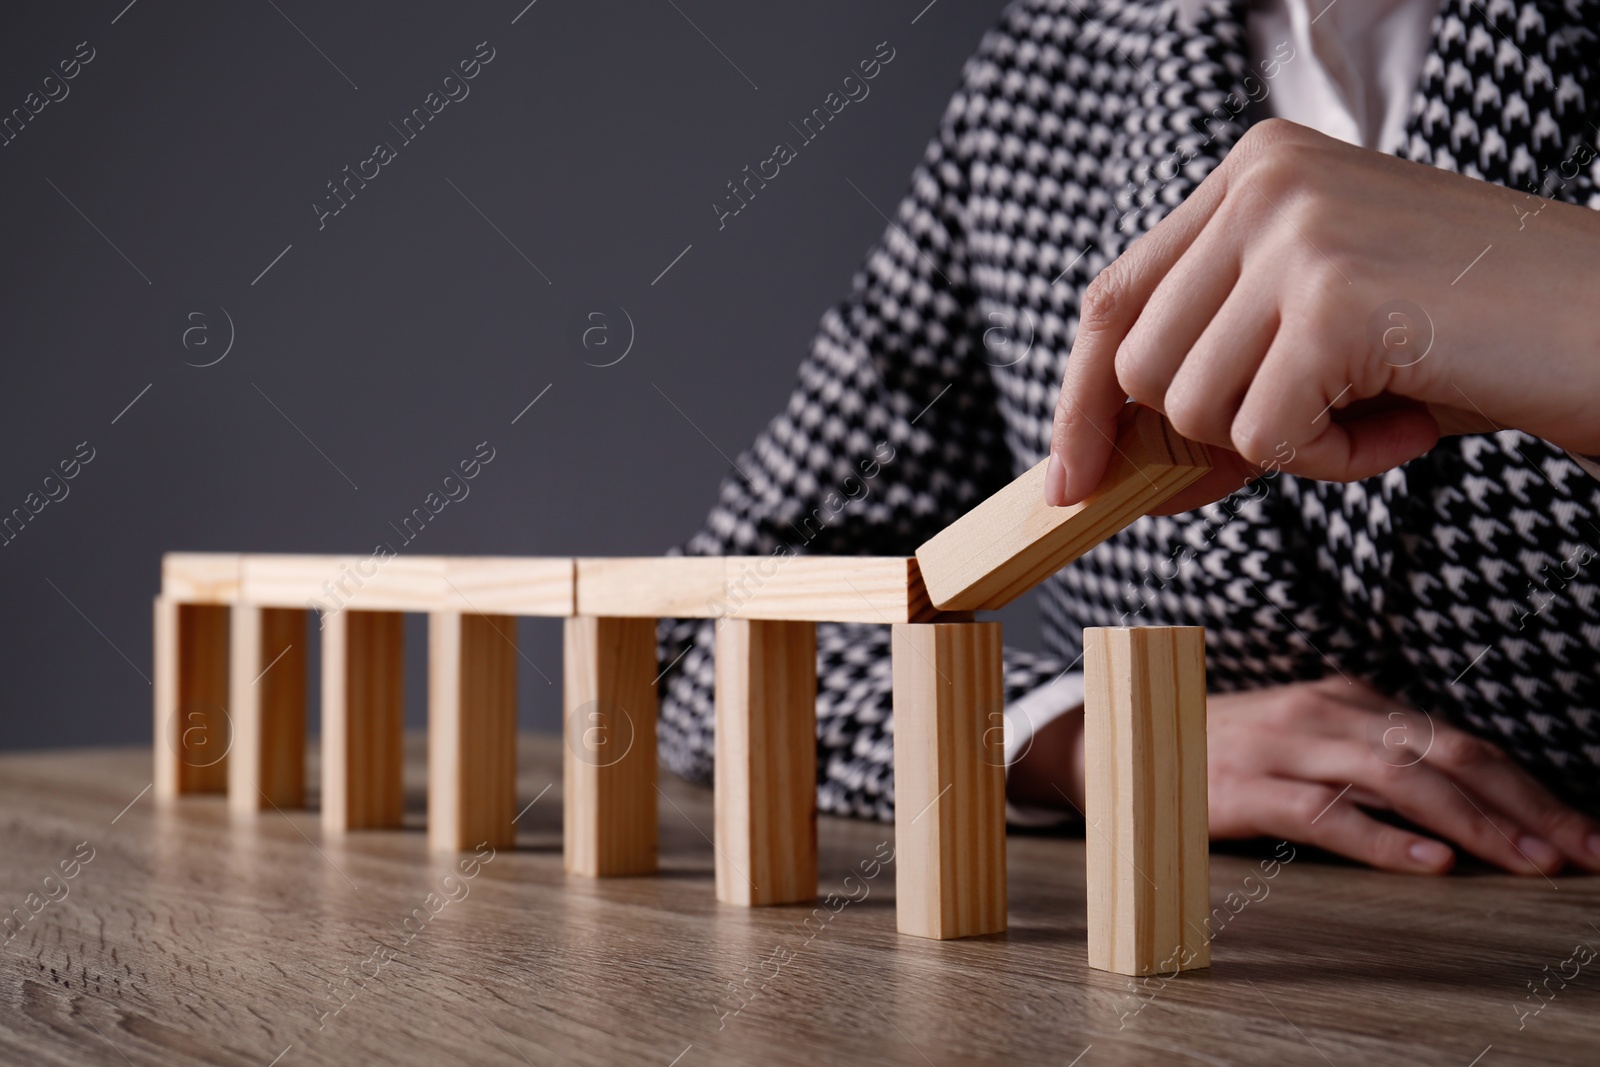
(472, 730)
(267, 702)
(363, 719)
(1145, 798)
(200, 577)
(330, 584)
(192, 730)
(1013, 541)
(609, 766)
(766, 766)
(679, 587)
(496, 585)
(876, 589)
(949, 780)
(504, 585)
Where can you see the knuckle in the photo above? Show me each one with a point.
(1269, 132)
(1296, 707)
(1310, 803)
(1190, 414)
(1462, 751)
(1068, 420)
(1274, 136)
(1064, 413)
(1276, 169)
(1136, 376)
(1183, 410)
(1388, 775)
(1254, 439)
(1102, 301)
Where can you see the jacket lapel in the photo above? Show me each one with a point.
(1506, 95)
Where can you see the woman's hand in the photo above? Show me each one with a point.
(1300, 762)
(1340, 307)
(1294, 762)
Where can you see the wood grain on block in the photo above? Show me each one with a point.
(332, 583)
(876, 589)
(472, 730)
(192, 728)
(494, 585)
(509, 585)
(267, 704)
(766, 761)
(363, 690)
(200, 577)
(1145, 798)
(609, 767)
(1013, 541)
(949, 775)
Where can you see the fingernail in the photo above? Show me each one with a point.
(1055, 482)
(1540, 852)
(1430, 854)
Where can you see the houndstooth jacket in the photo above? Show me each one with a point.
(1460, 583)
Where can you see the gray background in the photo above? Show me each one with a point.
(415, 324)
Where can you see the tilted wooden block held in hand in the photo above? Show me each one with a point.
(1013, 541)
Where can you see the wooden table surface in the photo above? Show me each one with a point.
(193, 937)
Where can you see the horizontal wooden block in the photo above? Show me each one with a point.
(200, 577)
(510, 585)
(479, 585)
(330, 583)
(949, 780)
(1013, 541)
(1149, 874)
(881, 589)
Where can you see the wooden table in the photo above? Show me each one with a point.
(191, 937)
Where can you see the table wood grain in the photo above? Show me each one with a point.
(193, 936)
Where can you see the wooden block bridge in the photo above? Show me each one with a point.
(230, 702)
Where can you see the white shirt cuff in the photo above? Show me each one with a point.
(1026, 717)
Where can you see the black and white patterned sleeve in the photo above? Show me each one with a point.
(892, 432)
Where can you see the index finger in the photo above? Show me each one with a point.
(1091, 397)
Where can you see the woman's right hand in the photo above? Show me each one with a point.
(1302, 302)
(1300, 762)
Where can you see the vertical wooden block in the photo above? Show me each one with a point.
(472, 730)
(949, 780)
(267, 702)
(1149, 869)
(766, 766)
(609, 766)
(363, 719)
(192, 729)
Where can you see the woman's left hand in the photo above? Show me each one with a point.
(1332, 310)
